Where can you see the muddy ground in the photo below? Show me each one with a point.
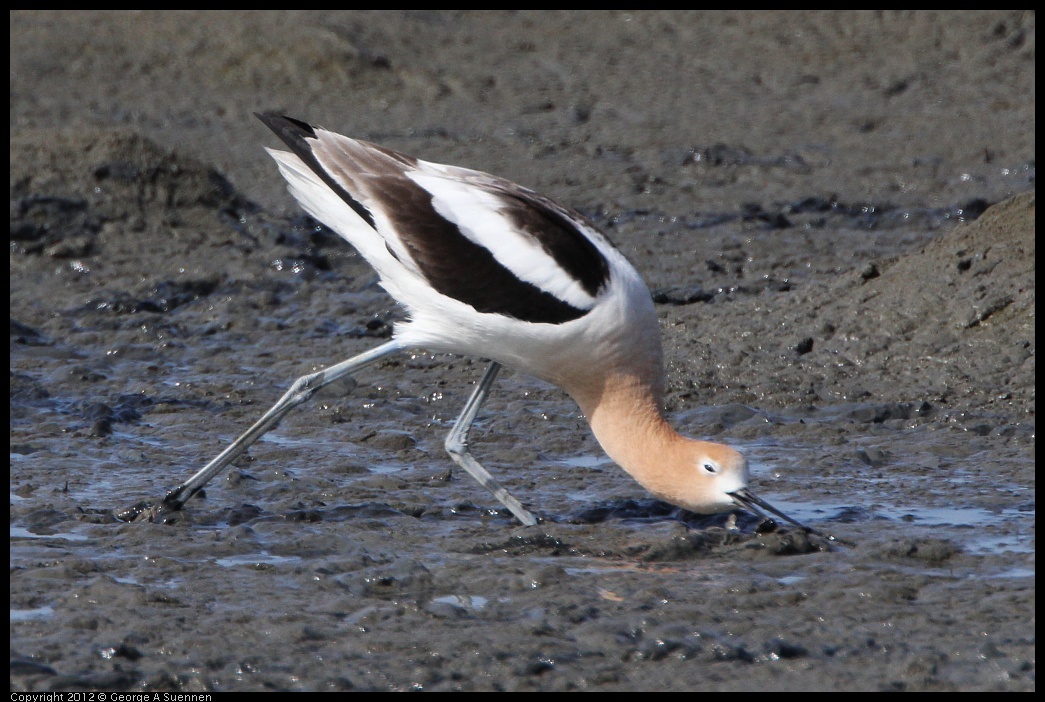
(835, 213)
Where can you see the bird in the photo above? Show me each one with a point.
(490, 269)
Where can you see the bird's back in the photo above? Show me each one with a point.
(484, 266)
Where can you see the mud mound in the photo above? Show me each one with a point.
(942, 331)
(961, 309)
(73, 184)
(981, 273)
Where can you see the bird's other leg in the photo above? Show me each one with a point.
(300, 392)
(457, 447)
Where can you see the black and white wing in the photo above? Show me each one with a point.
(473, 237)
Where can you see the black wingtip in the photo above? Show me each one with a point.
(290, 130)
(295, 134)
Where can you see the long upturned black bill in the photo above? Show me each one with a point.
(750, 501)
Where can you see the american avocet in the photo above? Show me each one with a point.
(487, 268)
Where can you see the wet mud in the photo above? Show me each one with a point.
(834, 212)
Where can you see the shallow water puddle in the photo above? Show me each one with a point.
(23, 533)
(255, 559)
(473, 602)
(29, 615)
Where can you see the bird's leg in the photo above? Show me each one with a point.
(457, 447)
(300, 392)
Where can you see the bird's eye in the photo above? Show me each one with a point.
(710, 467)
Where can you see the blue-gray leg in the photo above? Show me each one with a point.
(457, 447)
(300, 392)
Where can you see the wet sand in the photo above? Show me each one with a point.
(835, 213)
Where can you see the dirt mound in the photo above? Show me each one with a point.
(946, 329)
(961, 310)
(981, 273)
